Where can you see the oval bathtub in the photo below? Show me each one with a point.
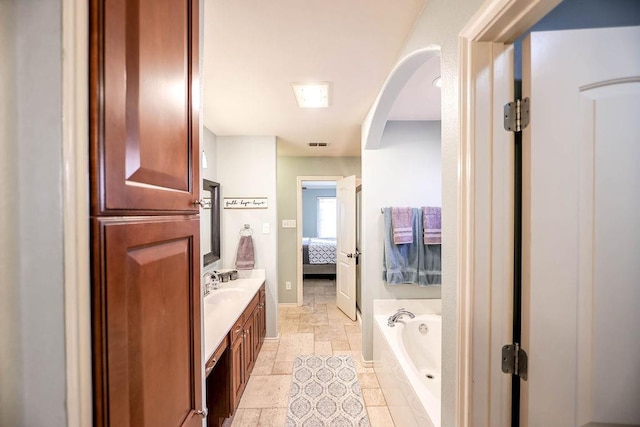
(407, 361)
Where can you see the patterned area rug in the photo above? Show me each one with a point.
(325, 392)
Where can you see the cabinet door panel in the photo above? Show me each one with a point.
(257, 327)
(145, 76)
(249, 348)
(149, 324)
(237, 372)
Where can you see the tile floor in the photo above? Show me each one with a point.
(317, 327)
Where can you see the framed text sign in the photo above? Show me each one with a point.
(245, 203)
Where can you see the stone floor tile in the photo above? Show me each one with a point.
(353, 328)
(368, 381)
(270, 346)
(266, 391)
(330, 333)
(379, 416)
(317, 319)
(292, 345)
(264, 363)
(340, 345)
(373, 397)
(282, 368)
(288, 326)
(246, 418)
(304, 327)
(273, 417)
(323, 348)
(355, 341)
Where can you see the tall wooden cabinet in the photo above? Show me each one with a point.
(144, 123)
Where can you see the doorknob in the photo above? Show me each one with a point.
(354, 255)
(204, 204)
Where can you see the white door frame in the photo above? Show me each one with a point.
(75, 191)
(485, 177)
(299, 227)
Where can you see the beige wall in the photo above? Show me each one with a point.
(440, 24)
(246, 167)
(32, 333)
(404, 171)
(289, 168)
(10, 350)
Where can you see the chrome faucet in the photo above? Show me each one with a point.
(395, 317)
(212, 283)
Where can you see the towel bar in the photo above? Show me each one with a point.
(246, 229)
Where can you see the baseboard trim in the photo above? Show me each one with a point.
(287, 304)
(274, 339)
(366, 363)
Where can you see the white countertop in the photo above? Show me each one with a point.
(222, 307)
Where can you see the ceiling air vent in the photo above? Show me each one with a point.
(318, 144)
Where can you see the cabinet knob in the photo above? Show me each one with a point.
(202, 412)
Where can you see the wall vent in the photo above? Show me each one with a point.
(318, 144)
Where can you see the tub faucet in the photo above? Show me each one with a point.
(395, 317)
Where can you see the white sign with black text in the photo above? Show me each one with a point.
(245, 203)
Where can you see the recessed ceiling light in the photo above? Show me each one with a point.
(313, 95)
(437, 82)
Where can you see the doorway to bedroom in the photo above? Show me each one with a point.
(327, 240)
(319, 232)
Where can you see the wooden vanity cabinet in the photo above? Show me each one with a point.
(230, 378)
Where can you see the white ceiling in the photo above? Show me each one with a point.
(255, 49)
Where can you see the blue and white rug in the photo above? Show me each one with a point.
(325, 392)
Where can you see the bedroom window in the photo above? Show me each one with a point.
(327, 217)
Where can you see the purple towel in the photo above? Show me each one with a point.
(244, 257)
(432, 220)
(402, 225)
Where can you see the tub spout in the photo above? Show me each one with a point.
(395, 317)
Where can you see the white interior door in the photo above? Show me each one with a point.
(581, 228)
(346, 246)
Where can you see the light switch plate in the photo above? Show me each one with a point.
(288, 223)
(265, 228)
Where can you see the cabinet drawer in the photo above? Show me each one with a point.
(213, 360)
(252, 306)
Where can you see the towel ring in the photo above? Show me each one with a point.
(246, 230)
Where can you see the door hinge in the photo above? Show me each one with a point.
(514, 360)
(516, 115)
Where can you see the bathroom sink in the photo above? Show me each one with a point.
(224, 294)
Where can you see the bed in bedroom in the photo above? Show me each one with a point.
(318, 256)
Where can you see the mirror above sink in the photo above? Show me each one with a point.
(210, 222)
